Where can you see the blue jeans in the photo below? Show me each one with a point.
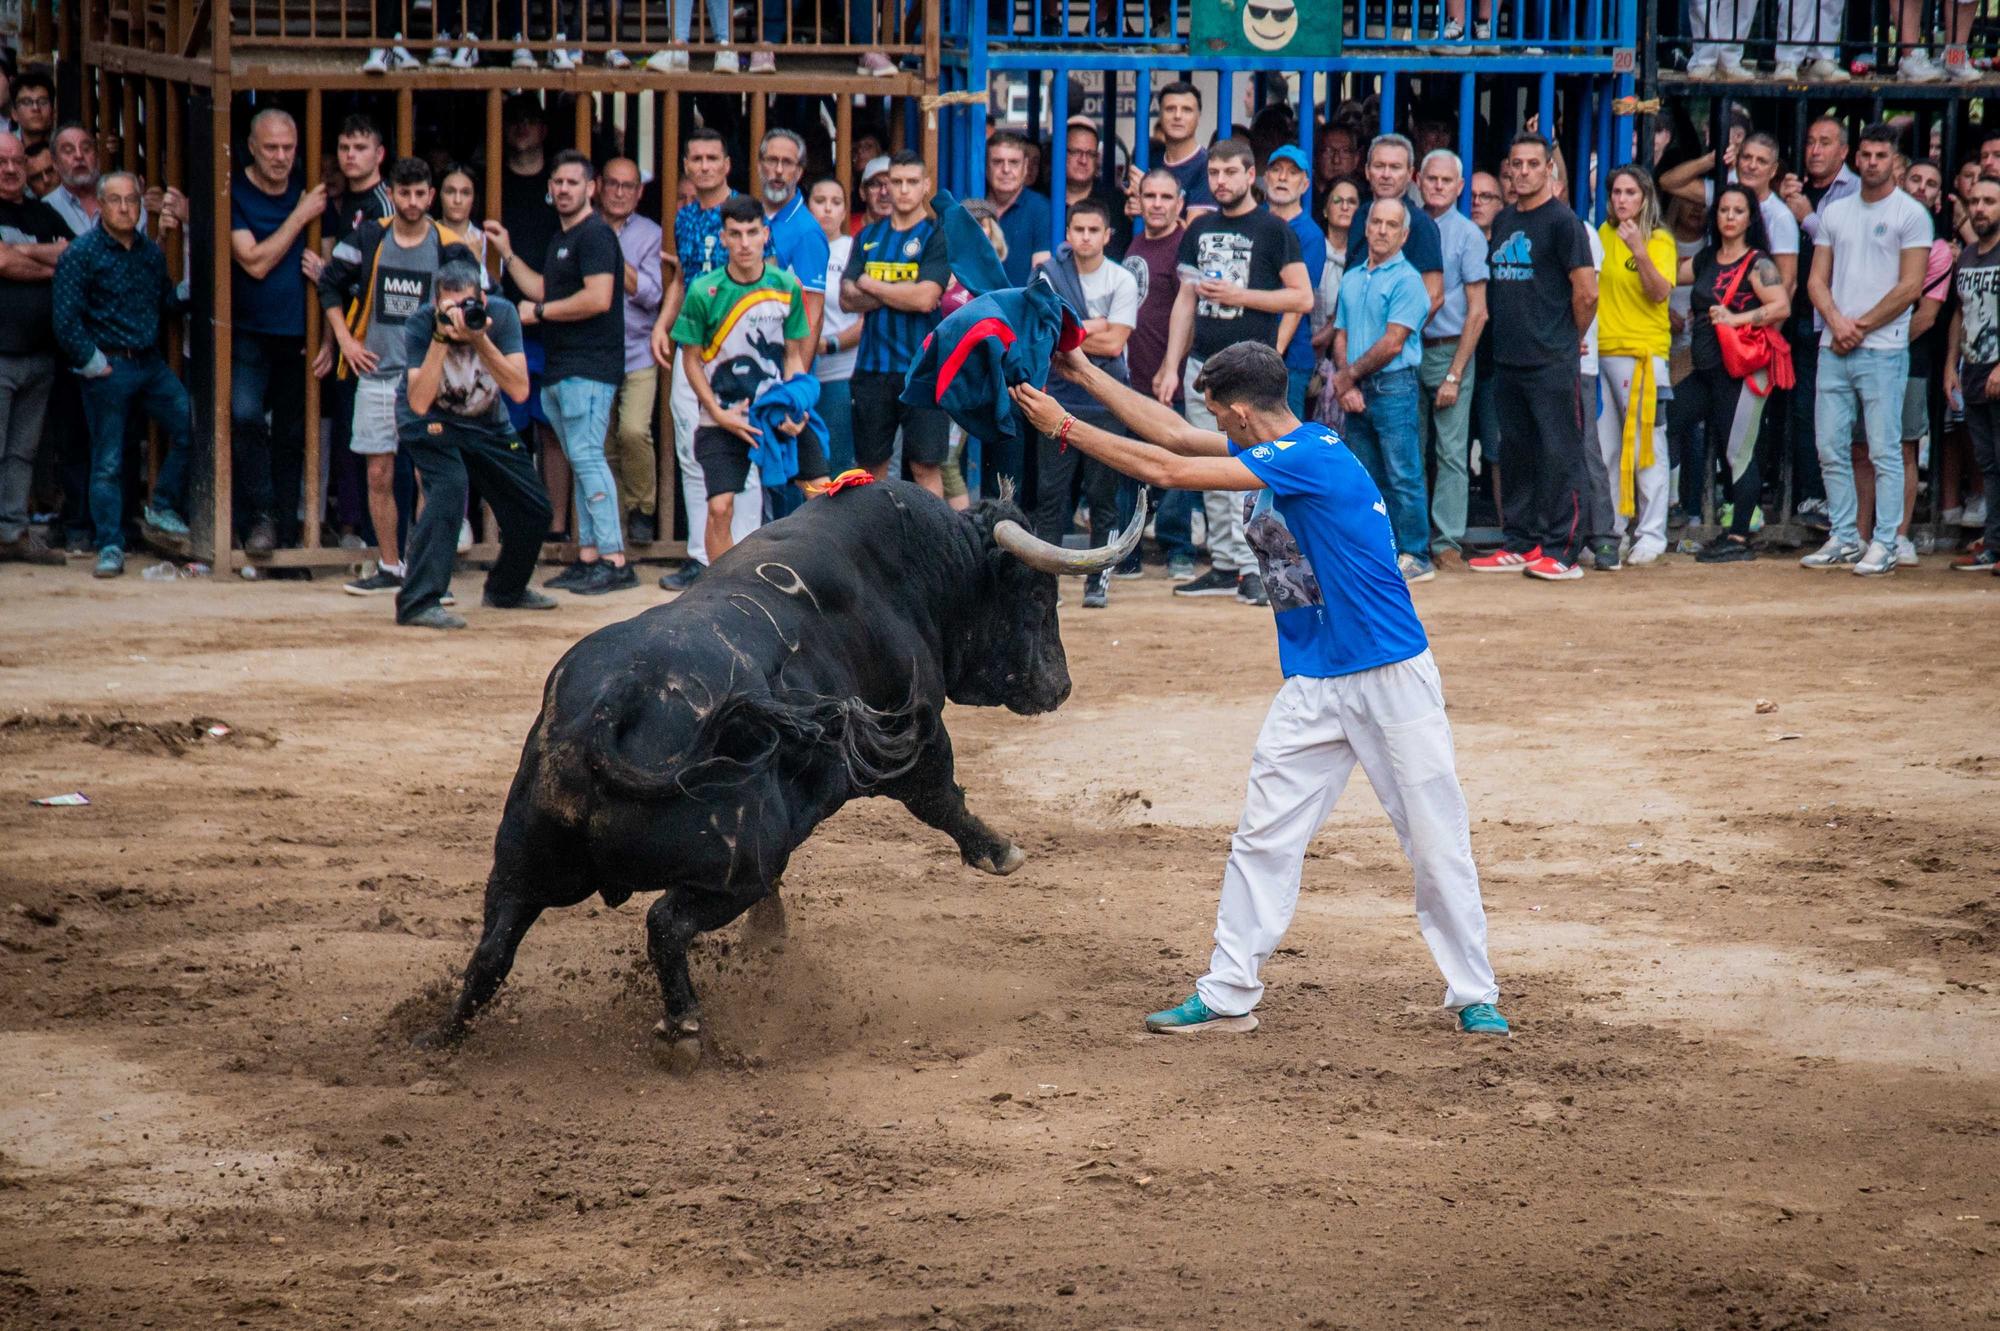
(1295, 389)
(580, 411)
(108, 401)
(1384, 436)
(836, 408)
(1872, 383)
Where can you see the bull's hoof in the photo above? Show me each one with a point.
(677, 1050)
(1011, 858)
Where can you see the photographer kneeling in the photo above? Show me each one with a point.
(464, 352)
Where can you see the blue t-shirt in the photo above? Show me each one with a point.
(698, 238)
(1299, 353)
(891, 339)
(1025, 224)
(798, 244)
(275, 303)
(1328, 557)
(1374, 296)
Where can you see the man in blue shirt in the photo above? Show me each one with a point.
(1377, 344)
(1287, 182)
(1360, 684)
(1024, 214)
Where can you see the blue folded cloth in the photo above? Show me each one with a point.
(776, 453)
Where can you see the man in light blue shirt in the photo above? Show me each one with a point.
(1444, 378)
(1377, 347)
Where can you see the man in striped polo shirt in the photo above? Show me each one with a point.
(895, 277)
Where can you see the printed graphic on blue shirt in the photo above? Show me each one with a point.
(1324, 546)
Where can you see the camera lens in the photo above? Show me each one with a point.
(474, 315)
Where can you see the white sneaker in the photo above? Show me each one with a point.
(615, 59)
(763, 62)
(1906, 551)
(523, 57)
(876, 65)
(667, 62)
(400, 58)
(1731, 70)
(1975, 513)
(560, 60)
(1644, 553)
(465, 58)
(1958, 65)
(728, 62)
(1832, 555)
(1786, 71)
(441, 53)
(1701, 69)
(1453, 30)
(464, 535)
(377, 61)
(1823, 70)
(1916, 67)
(1878, 560)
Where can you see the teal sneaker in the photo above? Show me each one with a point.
(1192, 1016)
(1482, 1019)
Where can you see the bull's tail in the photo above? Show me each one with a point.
(746, 735)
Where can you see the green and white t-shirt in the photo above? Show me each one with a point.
(741, 329)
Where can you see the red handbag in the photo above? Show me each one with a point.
(1757, 347)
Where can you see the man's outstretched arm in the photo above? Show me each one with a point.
(1145, 416)
(1143, 462)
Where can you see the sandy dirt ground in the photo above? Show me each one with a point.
(1752, 957)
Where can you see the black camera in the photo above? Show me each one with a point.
(472, 313)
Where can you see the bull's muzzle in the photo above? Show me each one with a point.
(1039, 554)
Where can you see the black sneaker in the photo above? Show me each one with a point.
(1984, 561)
(526, 599)
(639, 529)
(1725, 550)
(681, 578)
(434, 617)
(379, 583)
(1132, 568)
(1215, 582)
(569, 577)
(1605, 553)
(1250, 590)
(1096, 592)
(605, 576)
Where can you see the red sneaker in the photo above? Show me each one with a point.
(1550, 569)
(1503, 561)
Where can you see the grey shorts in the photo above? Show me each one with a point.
(1916, 409)
(374, 414)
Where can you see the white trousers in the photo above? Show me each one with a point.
(1228, 550)
(1390, 720)
(1814, 29)
(1649, 484)
(1719, 27)
(749, 514)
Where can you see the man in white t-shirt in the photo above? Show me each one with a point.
(1108, 296)
(1868, 269)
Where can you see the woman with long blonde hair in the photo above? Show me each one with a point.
(1635, 334)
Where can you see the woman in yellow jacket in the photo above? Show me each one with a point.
(1634, 335)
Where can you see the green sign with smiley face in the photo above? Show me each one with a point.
(1297, 28)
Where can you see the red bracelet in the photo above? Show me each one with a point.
(1062, 432)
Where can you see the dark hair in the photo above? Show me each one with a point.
(359, 124)
(35, 76)
(1528, 137)
(1881, 133)
(459, 169)
(1930, 162)
(1987, 178)
(1248, 372)
(571, 157)
(1754, 235)
(907, 157)
(410, 171)
(1233, 150)
(1161, 173)
(458, 269)
(1084, 207)
(522, 106)
(1007, 138)
(705, 135)
(743, 208)
(817, 181)
(1179, 88)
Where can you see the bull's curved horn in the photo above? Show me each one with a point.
(1037, 553)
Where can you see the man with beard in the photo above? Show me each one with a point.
(1975, 334)
(1241, 273)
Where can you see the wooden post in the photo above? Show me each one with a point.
(128, 119)
(757, 112)
(315, 501)
(670, 157)
(584, 110)
(406, 122)
(496, 162)
(843, 147)
(224, 529)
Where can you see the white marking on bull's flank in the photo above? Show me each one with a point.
(798, 584)
(775, 628)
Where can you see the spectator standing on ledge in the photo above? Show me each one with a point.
(1378, 345)
(894, 279)
(1867, 272)
(1634, 336)
(1024, 213)
(1544, 294)
(1153, 259)
(578, 300)
(111, 289)
(453, 420)
(268, 216)
(1975, 334)
(32, 241)
(1240, 275)
(840, 331)
(635, 463)
(377, 278)
(1286, 185)
(1445, 378)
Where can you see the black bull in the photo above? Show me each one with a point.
(691, 749)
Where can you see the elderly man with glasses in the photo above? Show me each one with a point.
(633, 459)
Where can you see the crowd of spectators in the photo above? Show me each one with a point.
(1848, 300)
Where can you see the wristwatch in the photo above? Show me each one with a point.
(1451, 376)
(541, 313)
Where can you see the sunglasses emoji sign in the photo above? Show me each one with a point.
(1267, 27)
(1270, 25)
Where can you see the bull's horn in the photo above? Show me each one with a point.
(1037, 553)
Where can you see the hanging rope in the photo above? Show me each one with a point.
(970, 97)
(1632, 106)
